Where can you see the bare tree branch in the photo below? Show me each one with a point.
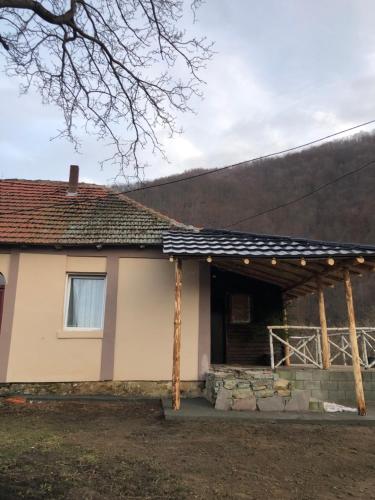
(109, 64)
(40, 10)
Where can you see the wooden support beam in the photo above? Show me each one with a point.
(325, 276)
(326, 352)
(313, 270)
(289, 296)
(361, 404)
(285, 268)
(355, 270)
(249, 272)
(254, 270)
(312, 266)
(369, 266)
(281, 272)
(177, 337)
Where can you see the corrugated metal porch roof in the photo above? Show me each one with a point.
(229, 243)
(293, 264)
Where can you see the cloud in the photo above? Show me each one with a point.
(284, 73)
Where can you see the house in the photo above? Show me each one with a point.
(89, 292)
(96, 287)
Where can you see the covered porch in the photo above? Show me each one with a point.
(253, 278)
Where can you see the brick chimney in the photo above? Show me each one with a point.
(73, 180)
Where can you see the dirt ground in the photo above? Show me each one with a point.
(126, 450)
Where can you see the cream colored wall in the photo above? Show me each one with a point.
(145, 308)
(4, 265)
(86, 264)
(41, 351)
(37, 354)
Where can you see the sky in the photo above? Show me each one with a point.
(285, 72)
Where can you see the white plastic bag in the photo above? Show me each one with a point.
(335, 408)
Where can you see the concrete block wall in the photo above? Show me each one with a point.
(335, 385)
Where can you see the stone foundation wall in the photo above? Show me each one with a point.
(110, 388)
(335, 385)
(235, 388)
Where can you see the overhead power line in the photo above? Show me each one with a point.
(208, 172)
(250, 217)
(302, 197)
(252, 160)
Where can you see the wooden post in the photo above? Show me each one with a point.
(326, 351)
(177, 337)
(364, 349)
(354, 344)
(319, 348)
(286, 347)
(272, 354)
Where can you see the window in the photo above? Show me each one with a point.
(240, 306)
(85, 302)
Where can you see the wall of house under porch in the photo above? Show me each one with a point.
(136, 341)
(246, 344)
(145, 318)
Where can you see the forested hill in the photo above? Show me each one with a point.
(343, 211)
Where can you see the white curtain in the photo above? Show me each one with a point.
(86, 302)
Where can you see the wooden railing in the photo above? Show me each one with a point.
(302, 346)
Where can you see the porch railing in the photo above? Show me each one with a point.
(302, 346)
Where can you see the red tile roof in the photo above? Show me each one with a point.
(40, 213)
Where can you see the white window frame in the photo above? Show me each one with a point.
(69, 277)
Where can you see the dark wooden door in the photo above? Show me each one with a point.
(246, 341)
(238, 334)
(241, 309)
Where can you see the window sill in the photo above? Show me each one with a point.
(80, 334)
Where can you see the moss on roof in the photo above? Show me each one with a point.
(41, 213)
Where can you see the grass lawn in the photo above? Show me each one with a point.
(126, 450)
